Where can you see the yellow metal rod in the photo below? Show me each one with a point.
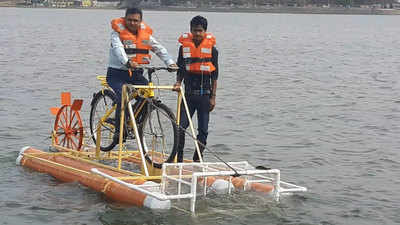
(121, 124)
(54, 163)
(105, 166)
(153, 87)
(191, 124)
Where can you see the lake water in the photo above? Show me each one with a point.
(316, 96)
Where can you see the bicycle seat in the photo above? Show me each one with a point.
(103, 80)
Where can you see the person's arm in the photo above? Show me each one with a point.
(181, 71)
(117, 48)
(214, 78)
(161, 51)
(181, 65)
(214, 60)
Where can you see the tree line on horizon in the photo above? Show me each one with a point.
(261, 3)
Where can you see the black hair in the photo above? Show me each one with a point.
(134, 10)
(198, 20)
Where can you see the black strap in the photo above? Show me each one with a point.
(196, 60)
(136, 51)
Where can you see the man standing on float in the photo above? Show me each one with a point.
(131, 42)
(198, 68)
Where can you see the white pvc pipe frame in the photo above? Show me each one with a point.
(160, 196)
(276, 182)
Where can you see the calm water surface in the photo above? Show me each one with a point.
(317, 96)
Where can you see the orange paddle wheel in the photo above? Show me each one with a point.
(68, 126)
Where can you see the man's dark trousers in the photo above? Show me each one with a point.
(201, 104)
(115, 79)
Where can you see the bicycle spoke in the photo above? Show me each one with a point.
(162, 132)
(73, 145)
(65, 117)
(62, 124)
(75, 124)
(72, 116)
(69, 145)
(60, 131)
(102, 103)
(150, 122)
(63, 140)
(159, 122)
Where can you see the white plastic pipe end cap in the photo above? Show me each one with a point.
(153, 203)
(20, 156)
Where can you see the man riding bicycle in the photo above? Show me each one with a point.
(131, 43)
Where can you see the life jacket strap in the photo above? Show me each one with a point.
(136, 51)
(196, 60)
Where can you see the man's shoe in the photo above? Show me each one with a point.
(196, 158)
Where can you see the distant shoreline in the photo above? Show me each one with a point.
(280, 10)
(288, 10)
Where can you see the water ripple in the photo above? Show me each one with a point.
(289, 97)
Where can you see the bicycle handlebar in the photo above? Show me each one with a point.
(155, 68)
(152, 69)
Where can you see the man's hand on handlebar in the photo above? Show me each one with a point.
(133, 64)
(172, 68)
(177, 86)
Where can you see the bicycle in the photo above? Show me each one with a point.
(156, 124)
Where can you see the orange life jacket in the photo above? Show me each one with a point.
(198, 59)
(136, 46)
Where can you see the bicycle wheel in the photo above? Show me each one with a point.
(68, 128)
(159, 134)
(102, 102)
